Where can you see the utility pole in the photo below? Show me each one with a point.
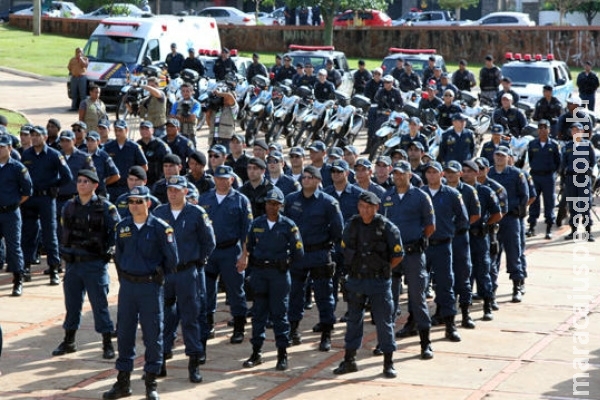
(37, 17)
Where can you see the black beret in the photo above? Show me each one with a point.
(369, 197)
(88, 173)
(314, 171)
(172, 159)
(258, 162)
(199, 157)
(138, 172)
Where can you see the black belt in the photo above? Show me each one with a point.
(7, 209)
(65, 197)
(79, 258)
(138, 278)
(369, 275)
(227, 244)
(413, 248)
(542, 173)
(188, 265)
(579, 173)
(45, 192)
(460, 232)
(309, 248)
(479, 231)
(435, 242)
(259, 263)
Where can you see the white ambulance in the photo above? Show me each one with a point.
(118, 46)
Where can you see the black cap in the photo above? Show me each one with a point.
(255, 55)
(54, 122)
(369, 197)
(88, 173)
(138, 172)
(489, 57)
(543, 122)
(548, 87)
(258, 162)
(4, 121)
(471, 164)
(314, 171)
(199, 157)
(262, 144)
(361, 62)
(463, 62)
(506, 79)
(172, 159)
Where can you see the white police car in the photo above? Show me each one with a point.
(530, 73)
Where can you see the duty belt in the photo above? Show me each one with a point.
(65, 197)
(479, 231)
(435, 242)
(80, 258)
(188, 265)
(368, 275)
(138, 278)
(460, 232)
(259, 263)
(45, 192)
(413, 248)
(7, 209)
(309, 248)
(227, 244)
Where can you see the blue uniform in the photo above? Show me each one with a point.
(185, 291)
(488, 149)
(509, 235)
(544, 162)
(320, 222)
(271, 249)
(105, 167)
(532, 195)
(48, 171)
(203, 184)
(124, 157)
(231, 219)
(16, 183)
(139, 254)
(576, 166)
(181, 146)
(407, 140)
(411, 214)
(88, 232)
(287, 184)
(456, 147)
(123, 207)
(451, 216)
(155, 150)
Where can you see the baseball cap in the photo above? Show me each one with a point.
(224, 171)
(146, 124)
(218, 148)
(335, 152)
(80, 124)
(543, 122)
(238, 137)
(317, 145)
(471, 164)
(415, 120)
(67, 135)
(138, 172)
(173, 121)
(435, 165)
(120, 124)
(352, 149)
(503, 150)
(384, 159)
(340, 165)
(497, 129)
(314, 171)
(506, 79)
(453, 166)
(177, 181)
(276, 155)
(369, 198)
(139, 191)
(103, 123)
(258, 162)
(26, 129)
(507, 96)
(262, 144)
(458, 117)
(417, 144)
(299, 151)
(88, 173)
(5, 141)
(548, 87)
(574, 99)
(275, 194)
(191, 50)
(274, 146)
(482, 162)
(577, 125)
(93, 135)
(378, 71)
(402, 166)
(388, 78)
(171, 159)
(364, 162)
(400, 151)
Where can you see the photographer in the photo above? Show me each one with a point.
(221, 114)
(187, 111)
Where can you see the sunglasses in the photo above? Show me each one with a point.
(272, 161)
(83, 181)
(214, 156)
(136, 201)
(294, 156)
(307, 177)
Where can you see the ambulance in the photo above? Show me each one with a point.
(118, 46)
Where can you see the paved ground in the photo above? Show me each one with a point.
(529, 351)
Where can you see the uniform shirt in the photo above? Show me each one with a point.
(324, 91)
(406, 140)
(123, 207)
(125, 157)
(397, 73)
(488, 149)
(446, 113)
(463, 80)
(142, 251)
(360, 80)
(194, 64)
(489, 78)
(155, 150)
(488, 202)
(563, 126)
(389, 99)
(304, 80)
(514, 118)
(409, 82)
(514, 95)
(547, 109)
(411, 214)
(388, 183)
(347, 199)
(517, 190)
(223, 67)
(287, 184)
(231, 218)
(174, 63)
(193, 232)
(76, 161)
(280, 242)
(544, 159)
(240, 166)
(432, 103)
(47, 169)
(456, 147)
(500, 193)
(587, 83)
(285, 73)
(569, 165)
(105, 167)
(427, 75)
(181, 146)
(334, 76)
(257, 195)
(372, 88)
(450, 212)
(203, 184)
(256, 69)
(159, 190)
(15, 182)
(470, 199)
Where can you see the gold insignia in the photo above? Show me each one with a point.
(298, 245)
(397, 248)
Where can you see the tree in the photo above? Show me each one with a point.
(565, 6)
(590, 9)
(456, 5)
(259, 3)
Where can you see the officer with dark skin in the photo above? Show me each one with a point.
(171, 166)
(256, 68)
(48, 170)
(411, 210)
(145, 252)
(273, 243)
(544, 162)
(511, 118)
(463, 79)
(372, 248)
(237, 157)
(287, 71)
(361, 77)
(185, 291)
(105, 166)
(197, 174)
(154, 149)
(457, 143)
(549, 108)
(224, 65)
(88, 236)
(16, 188)
(409, 80)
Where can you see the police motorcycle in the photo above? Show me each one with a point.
(261, 109)
(348, 120)
(479, 117)
(244, 94)
(283, 116)
(312, 125)
(519, 144)
(388, 135)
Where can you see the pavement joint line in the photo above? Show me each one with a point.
(487, 387)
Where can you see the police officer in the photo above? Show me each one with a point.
(544, 161)
(372, 248)
(185, 291)
(16, 188)
(574, 113)
(445, 84)
(194, 63)
(457, 143)
(105, 166)
(257, 186)
(48, 170)
(319, 219)
(448, 109)
(87, 239)
(506, 83)
(171, 166)
(273, 242)
(509, 234)
(135, 177)
(256, 68)
(462, 78)
(511, 118)
(548, 108)
(174, 61)
(197, 174)
(224, 65)
(363, 172)
(231, 214)
(414, 135)
(145, 252)
(409, 79)
(323, 89)
(237, 157)
(278, 178)
(361, 77)
(387, 99)
(498, 139)
(588, 83)
(154, 149)
(451, 217)
(333, 75)
(576, 164)
(53, 127)
(478, 236)
(428, 71)
(489, 80)
(286, 71)
(374, 85)
(411, 210)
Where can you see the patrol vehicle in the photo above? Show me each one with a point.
(530, 73)
(318, 56)
(419, 58)
(117, 47)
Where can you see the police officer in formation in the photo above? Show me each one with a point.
(511, 118)
(273, 242)
(372, 248)
(489, 79)
(105, 166)
(154, 149)
(197, 174)
(145, 252)
(498, 139)
(457, 143)
(171, 166)
(87, 241)
(185, 291)
(548, 108)
(135, 177)
(257, 185)
(323, 89)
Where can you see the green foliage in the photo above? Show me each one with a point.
(589, 9)
(454, 4)
(547, 6)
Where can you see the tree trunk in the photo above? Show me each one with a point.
(328, 33)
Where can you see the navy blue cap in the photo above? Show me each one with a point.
(482, 162)
(471, 164)
(384, 159)
(400, 151)
(26, 129)
(93, 135)
(352, 149)
(314, 171)
(177, 181)
(67, 134)
(335, 152)
(299, 151)
(275, 154)
(417, 144)
(81, 124)
(40, 129)
(5, 141)
(173, 121)
(238, 137)
(503, 150)
(497, 129)
(218, 148)
(275, 194)
(402, 166)
(415, 120)
(317, 145)
(275, 146)
(369, 198)
(543, 122)
(364, 162)
(458, 117)
(104, 123)
(577, 125)
(146, 124)
(453, 166)
(435, 165)
(340, 165)
(120, 124)
(139, 191)
(224, 171)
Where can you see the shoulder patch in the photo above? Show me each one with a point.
(169, 233)
(397, 248)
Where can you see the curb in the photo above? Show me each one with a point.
(32, 75)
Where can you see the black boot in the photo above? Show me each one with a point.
(294, 334)
(436, 318)
(238, 330)
(548, 232)
(210, 320)
(487, 309)
(151, 386)
(317, 328)
(466, 322)
(516, 294)
(409, 328)
(522, 286)
(377, 350)
(54, 278)
(27, 273)
(426, 351)
(348, 365)
(108, 351)
(17, 284)
(163, 368)
(194, 370)
(591, 237)
(325, 344)
(570, 235)
(388, 365)
(67, 345)
(202, 357)
(495, 305)
(451, 332)
(531, 231)
(282, 361)
(121, 388)
(255, 358)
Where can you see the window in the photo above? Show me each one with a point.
(153, 50)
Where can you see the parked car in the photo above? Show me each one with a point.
(228, 16)
(4, 14)
(115, 10)
(274, 18)
(59, 9)
(419, 58)
(434, 18)
(502, 18)
(362, 18)
(406, 18)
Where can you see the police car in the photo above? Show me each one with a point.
(530, 73)
(419, 58)
(209, 57)
(318, 56)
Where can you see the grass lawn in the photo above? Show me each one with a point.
(14, 121)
